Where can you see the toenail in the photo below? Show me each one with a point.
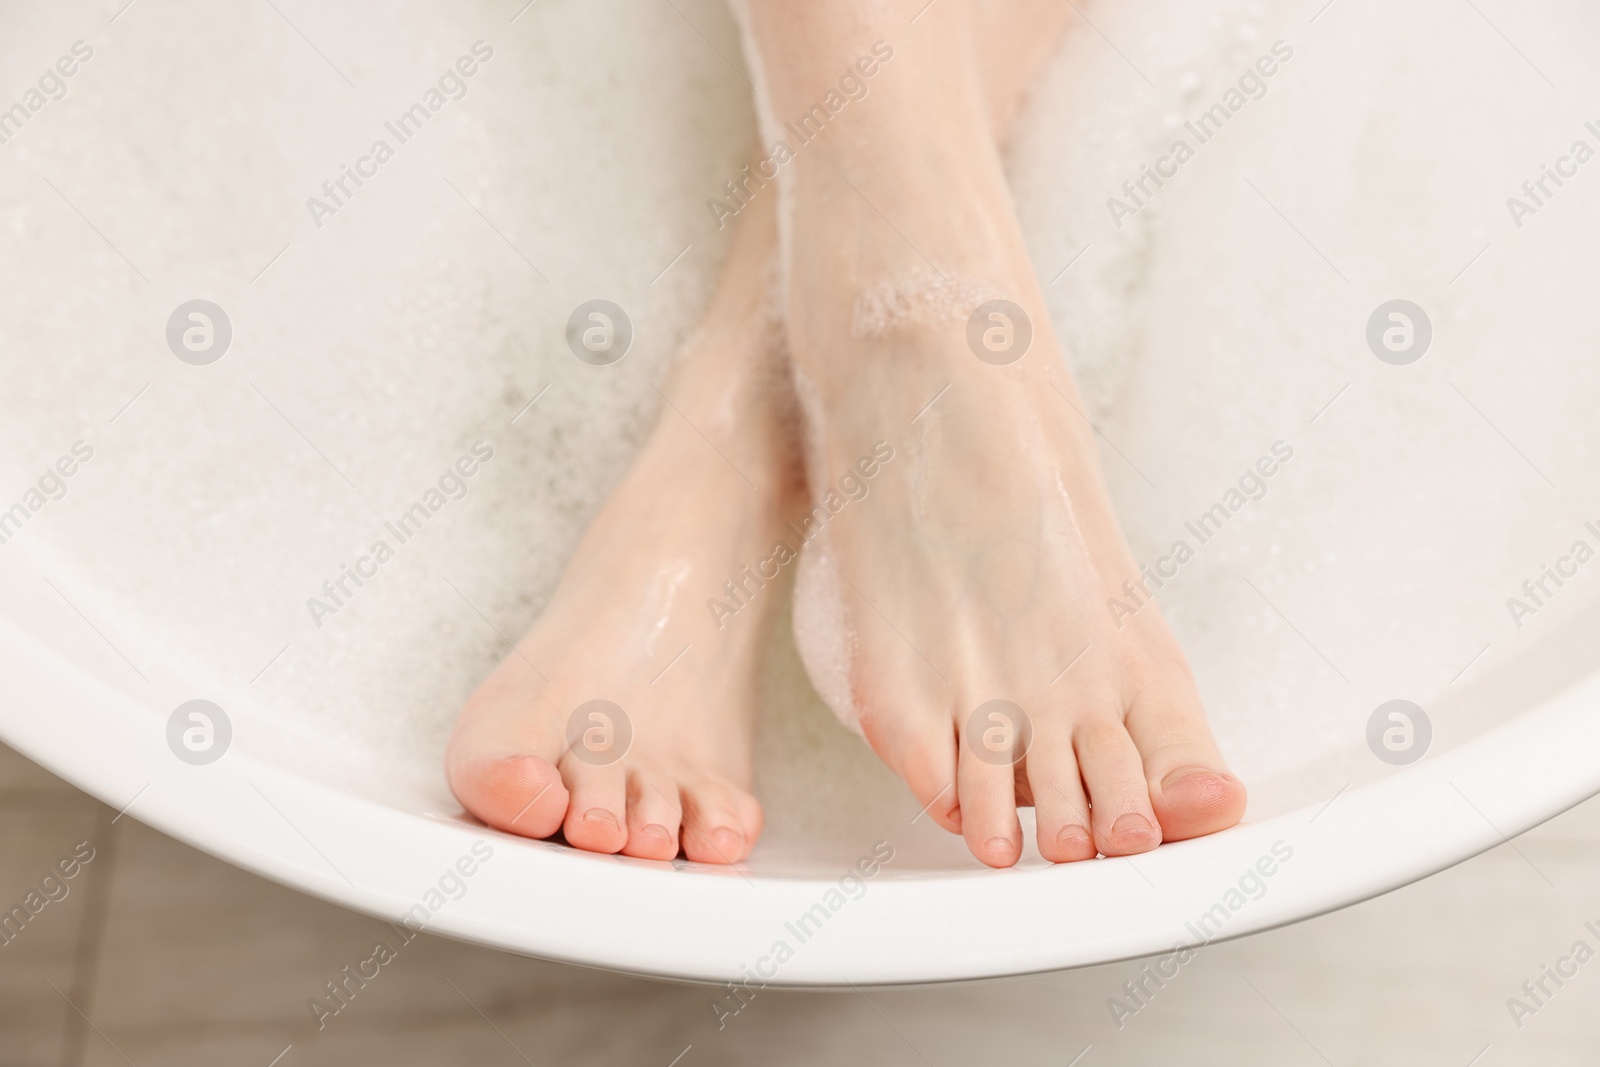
(1131, 823)
(998, 846)
(600, 815)
(1181, 773)
(729, 843)
(1073, 835)
(657, 831)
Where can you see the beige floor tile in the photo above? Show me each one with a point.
(24, 783)
(249, 950)
(44, 949)
(253, 954)
(33, 1018)
(441, 1045)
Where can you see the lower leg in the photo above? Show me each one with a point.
(995, 549)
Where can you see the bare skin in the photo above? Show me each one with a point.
(627, 604)
(705, 498)
(982, 565)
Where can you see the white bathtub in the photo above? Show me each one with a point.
(925, 916)
(370, 349)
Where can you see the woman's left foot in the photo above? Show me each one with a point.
(963, 613)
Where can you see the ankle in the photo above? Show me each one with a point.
(843, 63)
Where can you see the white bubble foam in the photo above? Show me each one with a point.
(1198, 332)
(919, 299)
(822, 630)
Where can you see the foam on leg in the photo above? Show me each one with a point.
(917, 299)
(822, 631)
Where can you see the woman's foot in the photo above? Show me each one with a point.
(982, 566)
(630, 623)
(626, 603)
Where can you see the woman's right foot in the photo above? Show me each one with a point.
(625, 716)
(982, 568)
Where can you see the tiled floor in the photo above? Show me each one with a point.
(159, 954)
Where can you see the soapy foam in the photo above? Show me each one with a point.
(920, 299)
(769, 129)
(821, 620)
(822, 630)
(405, 329)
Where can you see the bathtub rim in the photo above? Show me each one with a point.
(1366, 840)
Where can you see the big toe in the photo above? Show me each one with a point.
(1195, 801)
(1191, 789)
(519, 794)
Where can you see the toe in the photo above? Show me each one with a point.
(1190, 787)
(1121, 816)
(716, 827)
(517, 794)
(920, 748)
(1194, 801)
(930, 770)
(654, 814)
(597, 814)
(987, 784)
(1060, 805)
